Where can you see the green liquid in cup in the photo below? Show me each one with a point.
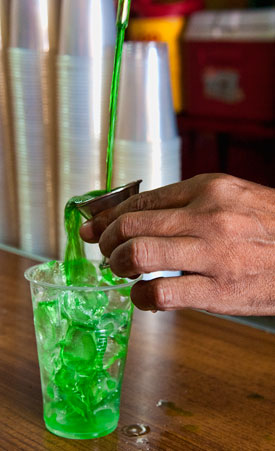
(82, 339)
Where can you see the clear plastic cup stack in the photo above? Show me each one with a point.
(32, 50)
(8, 204)
(84, 70)
(147, 144)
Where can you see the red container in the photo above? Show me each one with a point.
(230, 64)
(161, 8)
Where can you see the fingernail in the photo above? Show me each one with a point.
(86, 226)
(86, 231)
(150, 308)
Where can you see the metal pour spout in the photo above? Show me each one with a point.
(95, 205)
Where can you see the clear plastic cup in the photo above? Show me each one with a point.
(34, 24)
(8, 202)
(157, 164)
(87, 27)
(82, 337)
(31, 56)
(145, 107)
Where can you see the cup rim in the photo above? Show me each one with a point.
(29, 271)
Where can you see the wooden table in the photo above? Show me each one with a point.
(219, 377)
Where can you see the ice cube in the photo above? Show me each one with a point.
(116, 369)
(50, 362)
(105, 415)
(48, 324)
(64, 413)
(113, 352)
(78, 403)
(118, 302)
(65, 380)
(114, 322)
(101, 387)
(79, 350)
(84, 307)
(52, 272)
(53, 392)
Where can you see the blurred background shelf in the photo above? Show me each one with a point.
(249, 129)
(244, 149)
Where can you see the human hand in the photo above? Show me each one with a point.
(218, 229)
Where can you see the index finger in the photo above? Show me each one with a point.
(171, 196)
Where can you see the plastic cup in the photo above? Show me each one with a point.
(157, 164)
(82, 338)
(87, 27)
(145, 108)
(34, 24)
(31, 56)
(8, 203)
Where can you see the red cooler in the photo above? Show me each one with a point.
(230, 64)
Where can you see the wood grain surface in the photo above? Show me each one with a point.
(218, 379)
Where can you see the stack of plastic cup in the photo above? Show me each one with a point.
(84, 65)
(147, 145)
(33, 40)
(8, 204)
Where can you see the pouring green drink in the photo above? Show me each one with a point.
(82, 316)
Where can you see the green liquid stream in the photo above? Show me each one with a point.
(113, 105)
(77, 268)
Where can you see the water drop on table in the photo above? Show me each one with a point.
(135, 430)
(171, 409)
(162, 402)
(142, 443)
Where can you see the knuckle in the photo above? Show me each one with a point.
(158, 294)
(138, 202)
(138, 254)
(217, 187)
(123, 226)
(143, 201)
